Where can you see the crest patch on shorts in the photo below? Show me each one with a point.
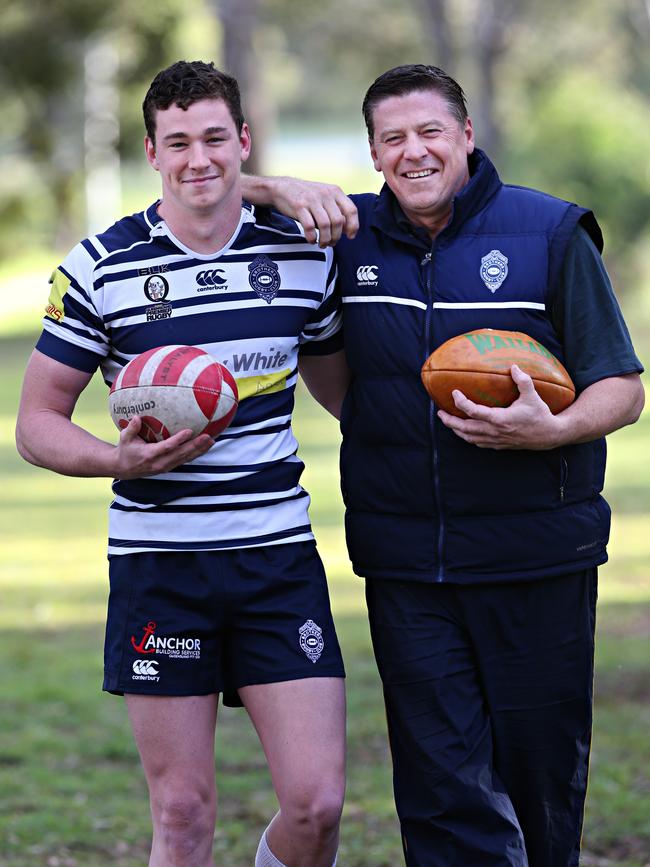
(311, 640)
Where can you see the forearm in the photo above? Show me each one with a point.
(601, 409)
(528, 423)
(327, 378)
(259, 190)
(48, 439)
(323, 210)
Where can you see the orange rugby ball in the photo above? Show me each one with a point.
(478, 364)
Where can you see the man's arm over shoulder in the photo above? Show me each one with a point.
(47, 437)
(323, 210)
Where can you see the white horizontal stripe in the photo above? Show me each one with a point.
(386, 299)
(238, 524)
(487, 305)
(259, 425)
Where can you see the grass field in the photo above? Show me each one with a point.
(71, 788)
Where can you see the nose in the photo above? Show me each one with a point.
(414, 147)
(198, 158)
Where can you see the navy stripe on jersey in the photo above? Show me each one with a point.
(186, 508)
(290, 535)
(278, 477)
(247, 296)
(135, 287)
(68, 353)
(134, 256)
(91, 250)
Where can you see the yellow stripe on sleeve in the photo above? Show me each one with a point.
(55, 308)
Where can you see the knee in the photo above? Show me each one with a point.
(185, 823)
(316, 813)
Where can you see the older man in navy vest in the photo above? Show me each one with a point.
(479, 538)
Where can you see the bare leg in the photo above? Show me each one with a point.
(301, 725)
(175, 739)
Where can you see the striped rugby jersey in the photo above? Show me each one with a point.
(254, 305)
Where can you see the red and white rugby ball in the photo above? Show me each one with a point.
(173, 388)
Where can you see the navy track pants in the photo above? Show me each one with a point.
(488, 692)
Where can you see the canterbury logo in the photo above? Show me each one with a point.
(211, 278)
(367, 273)
(145, 666)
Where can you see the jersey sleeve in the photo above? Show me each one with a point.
(322, 334)
(73, 329)
(587, 316)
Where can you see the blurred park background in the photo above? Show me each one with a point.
(560, 97)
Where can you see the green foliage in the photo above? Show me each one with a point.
(71, 788)
(569, 98)
(42, 89)
(324, 56)
(589, 143)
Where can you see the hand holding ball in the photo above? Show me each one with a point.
(478, 364)
(173, 388)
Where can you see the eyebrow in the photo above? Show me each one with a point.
(211, 130)
(393, 130)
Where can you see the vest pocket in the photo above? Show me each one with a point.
(564, 475)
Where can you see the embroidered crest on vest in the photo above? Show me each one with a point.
(264, 277)
(494, 269)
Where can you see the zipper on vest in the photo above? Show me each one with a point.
(426, 266)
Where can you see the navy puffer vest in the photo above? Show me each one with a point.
(422, 504)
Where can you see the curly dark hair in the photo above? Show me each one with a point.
(186, 82)
(402, 80)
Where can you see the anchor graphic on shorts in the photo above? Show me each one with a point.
(149, 629)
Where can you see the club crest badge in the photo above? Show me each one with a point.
(311, 640)
(264, 277)
(156, 288)
(494, 269)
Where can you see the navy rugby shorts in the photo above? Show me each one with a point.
(201, 622)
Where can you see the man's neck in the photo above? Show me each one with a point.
(203, 233)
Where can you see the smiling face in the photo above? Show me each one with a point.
(198, 153)
(421, 149)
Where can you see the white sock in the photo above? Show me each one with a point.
(265, 858)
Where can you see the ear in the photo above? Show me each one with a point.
(245, 142)
(375, 159)
(469, 136)
(150, 151)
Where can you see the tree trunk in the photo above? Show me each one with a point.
(436, 24)
(238, 24)
(101, 134)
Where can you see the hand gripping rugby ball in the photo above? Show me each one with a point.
(478, 364)
(173, 388)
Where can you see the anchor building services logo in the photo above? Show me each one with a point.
(173, 646)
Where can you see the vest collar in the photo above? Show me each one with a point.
(388, 217)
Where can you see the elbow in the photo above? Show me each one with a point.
(23, 448)
(639, 403)
(636, 403)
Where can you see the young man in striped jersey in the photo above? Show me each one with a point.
(479, 537)
(216, 585)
